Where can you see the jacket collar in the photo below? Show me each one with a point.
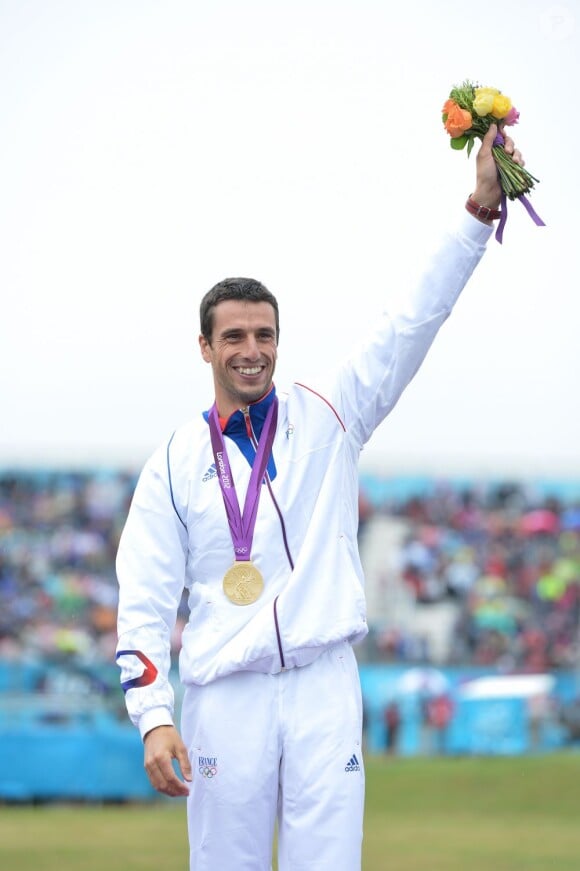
(235, 424)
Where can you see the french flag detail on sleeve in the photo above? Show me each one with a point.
(146, 677)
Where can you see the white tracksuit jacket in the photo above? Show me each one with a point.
(305, 540)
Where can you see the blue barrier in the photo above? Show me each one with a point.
(494, 727)
(478, 726)
(70, 747)
(85, 756)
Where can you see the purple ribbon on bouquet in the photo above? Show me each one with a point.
(499, 140)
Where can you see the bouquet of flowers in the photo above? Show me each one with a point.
(468, 113)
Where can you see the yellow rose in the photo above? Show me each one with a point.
(483, 102)
(501, 106)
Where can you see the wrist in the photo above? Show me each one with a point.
(153, 718)
(486, 196)
(482, 211)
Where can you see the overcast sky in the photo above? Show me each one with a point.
(149, 149)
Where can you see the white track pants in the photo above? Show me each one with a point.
(286, 745)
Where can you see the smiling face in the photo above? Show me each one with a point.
(242, 352)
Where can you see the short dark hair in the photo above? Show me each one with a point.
(234, 288)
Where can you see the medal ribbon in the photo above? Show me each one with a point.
(242, 524)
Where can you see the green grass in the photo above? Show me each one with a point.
(504, 814)
(458, 814)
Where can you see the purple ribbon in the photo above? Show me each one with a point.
(530, 210)
(242, 524)
(503, 218)
(499, 141)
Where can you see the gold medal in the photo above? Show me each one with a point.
(243, 583)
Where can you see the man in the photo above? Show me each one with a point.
(253, 507)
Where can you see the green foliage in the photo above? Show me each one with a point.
(459, 142)
(463, 95)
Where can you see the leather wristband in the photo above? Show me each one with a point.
(482, 212)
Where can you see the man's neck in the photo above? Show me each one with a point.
(231, 408)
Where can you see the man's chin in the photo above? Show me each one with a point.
(248, 397)
(251, 398)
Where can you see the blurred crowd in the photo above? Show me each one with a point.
(59, 533)
(510, 565)
(508, 561)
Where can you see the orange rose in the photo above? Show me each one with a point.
(458, 120)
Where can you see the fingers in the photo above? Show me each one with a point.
(515, 153)
(484, 153)
(486, 182)
(183, 762)
(487, 141)
(488, 188)
(162, 746)
(164, 779)
(509, 148)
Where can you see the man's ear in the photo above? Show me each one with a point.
(205, 348)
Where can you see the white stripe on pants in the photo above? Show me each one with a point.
(264, 745)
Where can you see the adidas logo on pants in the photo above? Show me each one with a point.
(353, 764)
